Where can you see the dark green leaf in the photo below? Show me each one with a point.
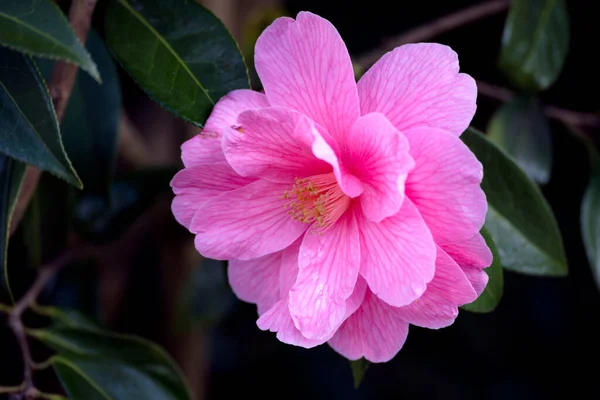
(89, 126)
(491, 295)
(38, 27)
(359, 368)
(519, 219)
(535, 42)
(11, 178)
(590, 216)
(104, 365)
(28, 128)
(522, 129)
(178, 52)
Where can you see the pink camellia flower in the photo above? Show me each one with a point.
(348, 211)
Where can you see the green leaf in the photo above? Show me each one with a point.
(491, 295)
(535, 42)
(519, 219)
(39, 28)
(90, 124)
(178, 52)
(359, 368)
(590, 215)
(11, 178)
(521, 128)
(28, 127)
(96, 364)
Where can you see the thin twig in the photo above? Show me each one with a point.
(15, 320)
(434, 28)
(11, 389)
(60, 87)
(568, 117)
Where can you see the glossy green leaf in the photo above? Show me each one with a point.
(39, 28)
(519, 219)
(521, 128)
(535, 42)
(359, 369)
(104, 365)
(90, 124)
(11, 178)
(590, 216)
(491, 295)
(28, 127)
(178, 52)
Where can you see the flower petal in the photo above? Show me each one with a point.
(328, 269)
(374, 332)
(478, 278)
(257, 280)
(270, 143)
(377, 154)
(397, 255)
(449, 289)
(194, 186)
(278, 319)
(246, 223)
(418, 85)
(206, 147)
(472, 252)
(445, 185)
(304, 65)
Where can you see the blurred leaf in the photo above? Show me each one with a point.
(101, 364)
(491, 295)
(535, 42)
(32, 232)
(207, 297)
(359, 368)
(100, 219)
(11, 178)
(519, 219)
(90, 124)
(38, 27)
(28, 127)
(521, 128)
(178, 52)
(590, 215)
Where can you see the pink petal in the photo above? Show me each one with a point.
(477, 277)
(304, 65)
(418, 85)
(246, 223)
(194, 186)
(472, 252)
(449, 289)
(374, 332)
(257, 280)
(206, 147)
(270, 143)
(349, 184)
(328, 269)
(397, 255)
(377, 154)
(445, 185)
(278, 319)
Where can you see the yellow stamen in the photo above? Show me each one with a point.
(316, 200)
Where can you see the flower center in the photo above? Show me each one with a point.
(317, 200)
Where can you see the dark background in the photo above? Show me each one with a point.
(543, 337)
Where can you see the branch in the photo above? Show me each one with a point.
(60, 87)
(434, 28)
(568, 117)
(15, 320)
